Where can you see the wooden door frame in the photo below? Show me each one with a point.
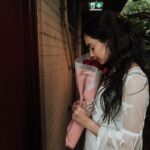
(31, 43)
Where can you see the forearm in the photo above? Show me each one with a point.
(80, 115)
(92, 126)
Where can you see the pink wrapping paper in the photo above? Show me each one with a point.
(87, 79)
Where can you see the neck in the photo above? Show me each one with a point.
(134, 65)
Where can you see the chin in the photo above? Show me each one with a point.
(102, 63)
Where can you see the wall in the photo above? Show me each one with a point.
(55, 75)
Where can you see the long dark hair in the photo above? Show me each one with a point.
(125, 45)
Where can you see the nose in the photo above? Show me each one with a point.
(91, 54)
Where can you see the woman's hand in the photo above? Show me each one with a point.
(81, 116)
(76, 103)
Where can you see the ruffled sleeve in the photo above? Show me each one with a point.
(135, 102)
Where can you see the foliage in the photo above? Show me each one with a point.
(138, 12)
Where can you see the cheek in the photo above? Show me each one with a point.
(101, 52)
(103, 56)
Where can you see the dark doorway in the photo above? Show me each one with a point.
(20, 127)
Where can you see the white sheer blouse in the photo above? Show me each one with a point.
(125, 132)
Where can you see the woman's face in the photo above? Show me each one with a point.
(97, 49)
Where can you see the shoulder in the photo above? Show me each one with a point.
(135, 80)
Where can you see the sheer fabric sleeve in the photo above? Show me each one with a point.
(135, 102)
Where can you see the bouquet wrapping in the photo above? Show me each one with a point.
(88, 75)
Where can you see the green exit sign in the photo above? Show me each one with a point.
(96, 6)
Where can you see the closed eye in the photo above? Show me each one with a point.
(91, 48)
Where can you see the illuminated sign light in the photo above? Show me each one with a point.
(96, 6)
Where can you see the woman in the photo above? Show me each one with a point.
(122, 99)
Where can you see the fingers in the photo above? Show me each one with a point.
(84, 105)
(77, 103)
(77, 111)
(74, 116)
(76, 106)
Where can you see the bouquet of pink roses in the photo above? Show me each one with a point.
(88, 74)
